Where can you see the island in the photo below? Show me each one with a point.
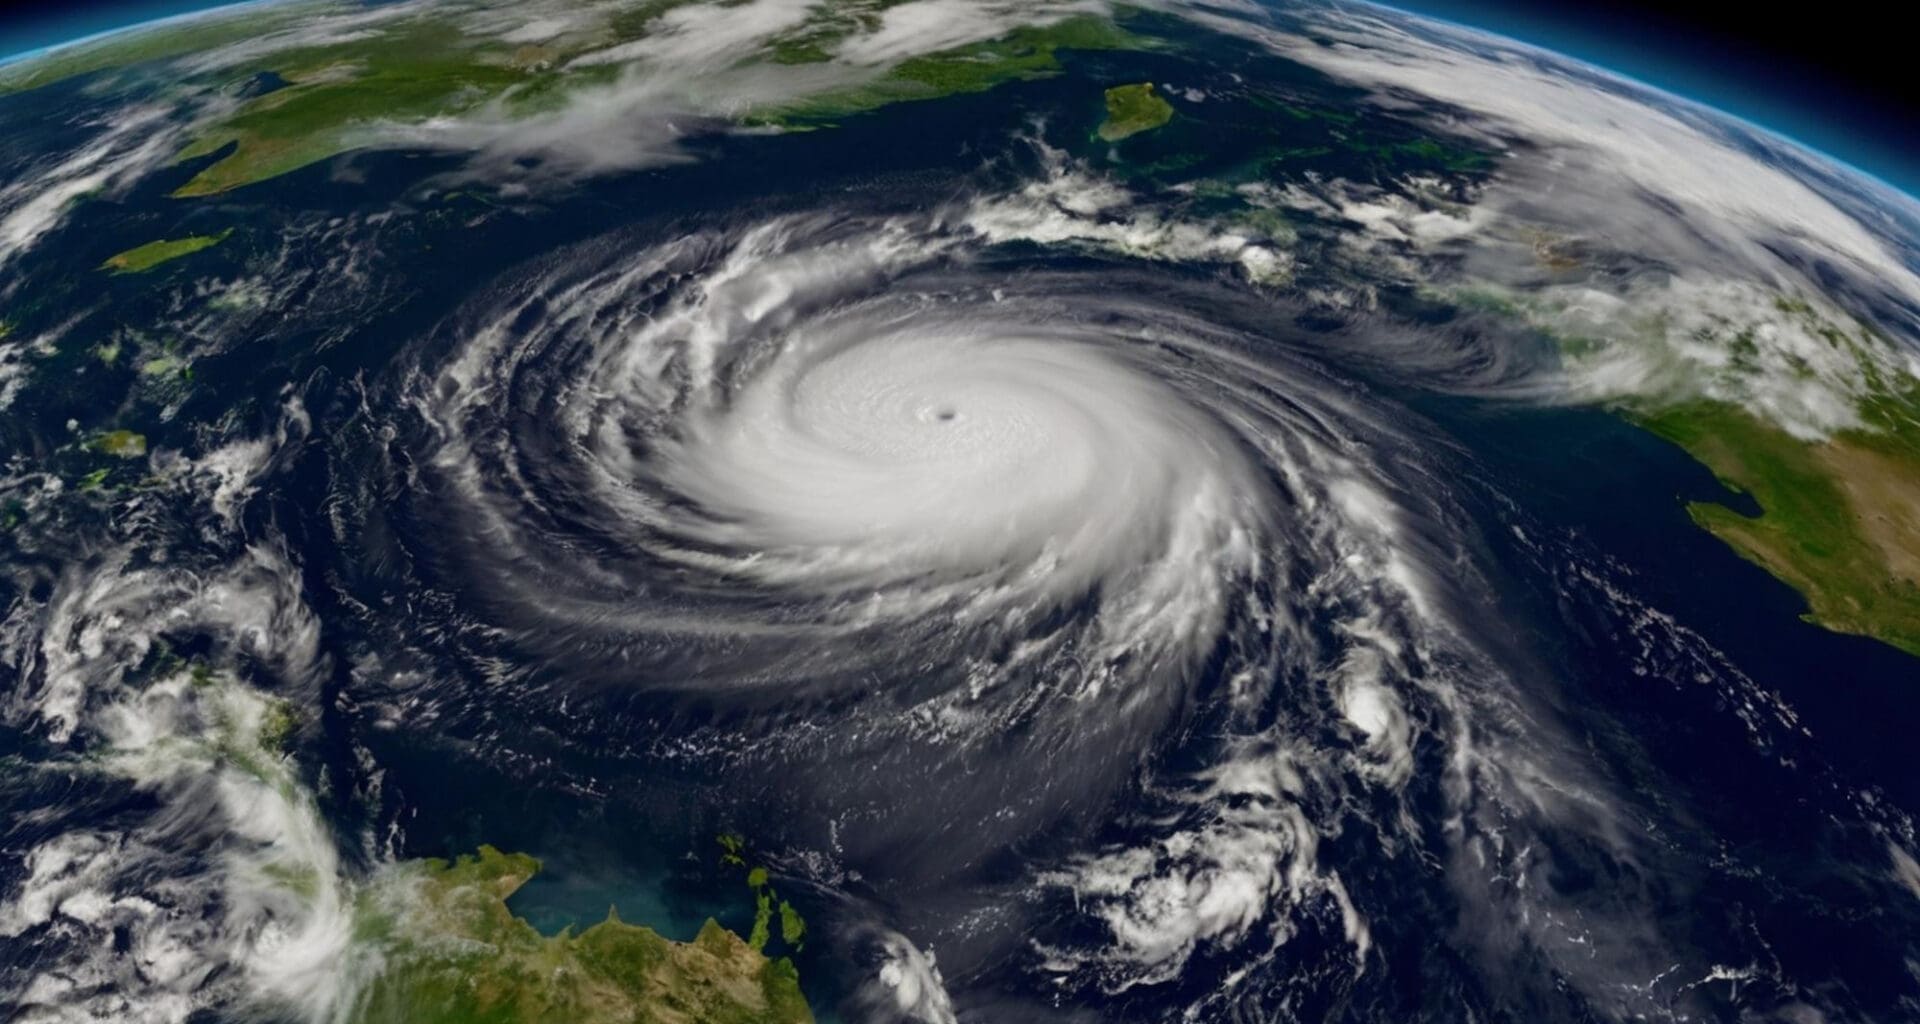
(1132, 109)
(142, 258)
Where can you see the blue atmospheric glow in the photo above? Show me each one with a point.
(23, 35)
(1675, 65)
(1705, 71)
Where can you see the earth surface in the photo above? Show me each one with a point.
(948, 510)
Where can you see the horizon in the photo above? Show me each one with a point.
(1810, 126)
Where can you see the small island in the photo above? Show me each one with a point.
(123, 444)
(140, 259)
(1132, 109)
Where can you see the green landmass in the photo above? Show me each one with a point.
(1027, 52)
(425, 68)
(1132, 109)
(827, 25)
(276, 726)
(793, 927)
(433, 941)
(6, 329)
(163, 366)
(766, 901)
(762, 920)
(194, 35)
(1433, 152)
(455, 954)
(412, 70)
(143, 258)
(335, 95)
(1840, 518)
(123, 444)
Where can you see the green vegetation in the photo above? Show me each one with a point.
(195, 35)
(164, 366)
(826, 27)
(1840, 516)
(250, 735)
(766, 902)
(413, 70)
(123, 444)
(277, 726)
(793, 928)
(1426, 153)
(1028, 52)
(455, 953)
(1840, 519)
(1132, 109)
(141, 259)
(762, 920)
(1387, 146)
(338, 96)
(6, 329)
(336, 93)
(1024, 53)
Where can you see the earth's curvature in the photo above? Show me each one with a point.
(942, 511)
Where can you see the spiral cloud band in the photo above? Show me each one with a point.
(946, 549)
(883, 454)
(1030, 510)
(1081, 621)
(1141, 513)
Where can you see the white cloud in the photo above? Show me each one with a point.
(927, 26)
(125, 144)
(1649, 173)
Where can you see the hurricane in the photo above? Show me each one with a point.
(990, 528)
(942, 512)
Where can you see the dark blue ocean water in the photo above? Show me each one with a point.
(1551, 491)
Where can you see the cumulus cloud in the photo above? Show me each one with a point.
(1074, 208)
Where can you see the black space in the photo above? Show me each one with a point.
(1860, 60)
(1866, 52)
(1841, 75)
(1862, 51)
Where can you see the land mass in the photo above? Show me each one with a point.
(124, 444)
(1838, 495)
(455, 954)
(143, 258)
(320, 94)
(1132, 109)
(1840, 518)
